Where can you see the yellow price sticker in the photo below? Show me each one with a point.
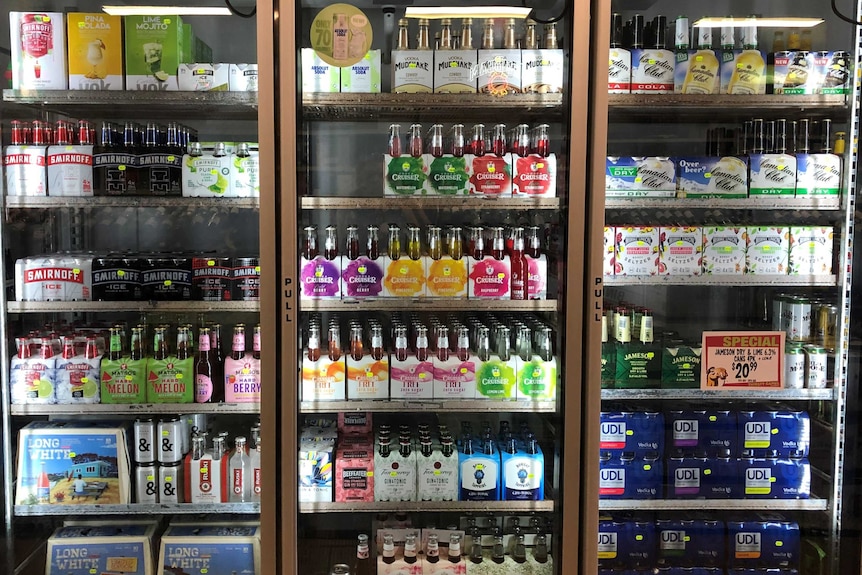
(180, 376)
(121, 273)
(85, 380)
(168, 282)
(129, 378)
(210, 263)
(122, 167)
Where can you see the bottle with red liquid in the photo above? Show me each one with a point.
(310, 249)
(522, 140)
(372, 245)
(352, 247)
(520, 267)
(330, 243)
(395, 140)
(400, 343)
(541, 142)
(435, 140)
(415, 140)
(477, 143)
(499, 147)
(477, 242)
(422, 343)
(458, 147)
(498, 243)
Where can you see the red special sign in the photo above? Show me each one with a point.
(742, 360)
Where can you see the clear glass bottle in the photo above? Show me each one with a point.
(239, 473)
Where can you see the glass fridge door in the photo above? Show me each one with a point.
(729, 202)
(436, 414)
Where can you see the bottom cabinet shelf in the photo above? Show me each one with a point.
(137, 509)
(714, 504)
(419, 506)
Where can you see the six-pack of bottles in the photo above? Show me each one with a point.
(97, 51)
(66, 159)
(503, 162)
(785, 158)
(523, 63)
(640, 61)
(75, 366)
(693, 453)
(136, 277)
(495, 263)
(415, 358)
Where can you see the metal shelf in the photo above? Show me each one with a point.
(126, 306)
(420, 506)
(113, 104)
(739, 280)
(724, 394)
(136, 408)
(420, 202)
(453, 405)
(49, 202)
(441, 304)
(137, 509)
(683, 107)
(714, 504)
(419, 106)
(826, 203)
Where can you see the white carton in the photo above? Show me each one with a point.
(395, 476)
(367, 378)
(323, 380)
(810, 250)
(315, 469)
(652, 71)
(772, 174)
(38, 42)
(705, 177)
(412, 71)
(767, 250)
(242, 78)
(203, 77)
(78, 379)
(724, 250)
(364, 76)
(499, 72)
(202, 549)
(542, 71)
(437, 476)
(455, 379)
(818, 175)
(245, 173)
(70, 170)
(628, 176)
(317, 75)
(637, 251)
(207, 175)
(681, 251)
(453, 71)
(411, 378)
(609, 252)
(26, 174)
(101, 548)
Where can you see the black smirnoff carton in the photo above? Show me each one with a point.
(56, 277)
(70, 170)
(26, 174)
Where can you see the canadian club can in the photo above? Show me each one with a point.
(211, 279)
(246, 279)
(116, 278)
(167, 278)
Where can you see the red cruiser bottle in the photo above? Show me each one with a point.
(416, 140)
(395, 140)
(520, 266)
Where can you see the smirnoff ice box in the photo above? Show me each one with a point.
(490, 175)
(208, 549)
(637, 251)
(26, 173)
(705, 177)
(242, 78)
(681, 251)
(364, 76)
(818, 175)
(642, 177)
(406, 175)
(773, 174)
(354, 471)
(77, 379)
(323, 380)
(810, 250)
(70, 170)
(60, 277)
(203, 77)
(95, 51)
(767, 250)
(52, 456)
(207, 175)
(317, 75)
(609, 251)
(652, 71)
(534, 176)
(315, 470)
(724, 250)
(453, 71)
(33, 380)
(87, 549)
(38, 43)
(154, 50)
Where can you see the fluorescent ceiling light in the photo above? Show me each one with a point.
(436, 12)
(758, 22)
(165, 10)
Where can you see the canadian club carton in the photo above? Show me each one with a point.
(170, 380)
(211, 279)
(26, 173)
(83, 549)
(652, 71)
(66, 463)
(123, 380)
(38, 51)
(817, 175)
(95, 51)
(70, 170)
(197, 550)
(154, 50)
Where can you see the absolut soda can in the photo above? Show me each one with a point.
(171, 483)
(167, 278)
(144, 447)
(147, 483)
(246, 279)
(169, 440)
(116, 279)
(211, 279)
(794, 367)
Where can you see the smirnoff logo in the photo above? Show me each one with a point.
(53, 274)
(214, 271)
(69, 158)
(114, 159)
(110, 276)
(159, 160)
(246, 273)
(160, 276)
(24, 159)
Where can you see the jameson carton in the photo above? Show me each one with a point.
(724, 250)
(203, 77)
(767, 250)
(680, 366)
(154, 51)
(95, 51)
(170, 380)
(364, 76)
(86, 549)
(38, 43)
(69, 463)
(810, 250)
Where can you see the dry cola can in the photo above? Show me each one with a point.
(147, 483)
(817, 360)
(340, 569)
(144, 447)
(211, 279)
(168, 434)
(795, 361)
(246, 279)
(827, 326)
(171, 484)
(797, 314)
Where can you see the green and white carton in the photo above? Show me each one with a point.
(364, 76)
(170, 380)
(154, 50)
(124, 380)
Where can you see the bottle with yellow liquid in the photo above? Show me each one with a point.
(746, 73)
(702, 76)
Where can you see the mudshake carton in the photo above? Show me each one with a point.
(323, 380)
(767, 250)
(404, 277)
(95, 51)
(810, 250)
(197, 549)
(38, 43)
(67, 463)
(453, 71)
(154, 50)
(637, 251)
(724, 250)
(412, 71)
(87, 549)
(681, 251)
(406, 175)
(712, 177)
(364, 76)
(203, 77)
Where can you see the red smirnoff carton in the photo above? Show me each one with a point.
(534, 176)
(490, 278)
(38, 42)
(61, 277)
(537, 277)
(70, 170)
(26, 174)
(354, 471)
(490, 175)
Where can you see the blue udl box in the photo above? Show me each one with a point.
(219, 548)
(88, 549)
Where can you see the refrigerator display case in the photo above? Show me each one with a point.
(729, 198)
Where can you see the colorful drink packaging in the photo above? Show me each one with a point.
(743, 71)
(498, 71)
(769, 542)
(78, 373)
(170, 378)
(205, 473)
(637, 251)
(724, 250)
(33, 379)
(323, 372)
(406, 170)
(437, 472)
(725, 177)
(448, 546)
(810, 251)
(95, 51)
(320, 274)
(481, 476)
(448, 170)
(101, 548)
(207, 169)
(70, 165)
(446, 264)
(767, 250)
(774, 172)
(681, 366)
(394, 546)
(774, 433)
(317, 75)
(364, 76)
(38, 43)
(628, 477)
(199, 549)
(454, 371)
(609, 258)
(490, 269)
(781, 478)
(404, 274)
(203, 77)
(642, 177)
(537, 265)
(833, 72)
(245, 170)
(496, 376)
(696, 71)
(25, 164)
(411, 371)
(242, 78)
(394, 471)
(819, 171)
(523, 470)
(541, 68)
(354, 471)
(652, 71)
(792, 73)
(124, 374)
(681, 250)
(412, 69)
(534, 173)
(536, 367)
(490, 163)
(362, 275)
(154, 50)
(315, 469)
(367, 367)
(241, 370)
(453, 65)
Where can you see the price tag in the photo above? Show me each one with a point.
(742, 360)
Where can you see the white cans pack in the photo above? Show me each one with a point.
(58, 277)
